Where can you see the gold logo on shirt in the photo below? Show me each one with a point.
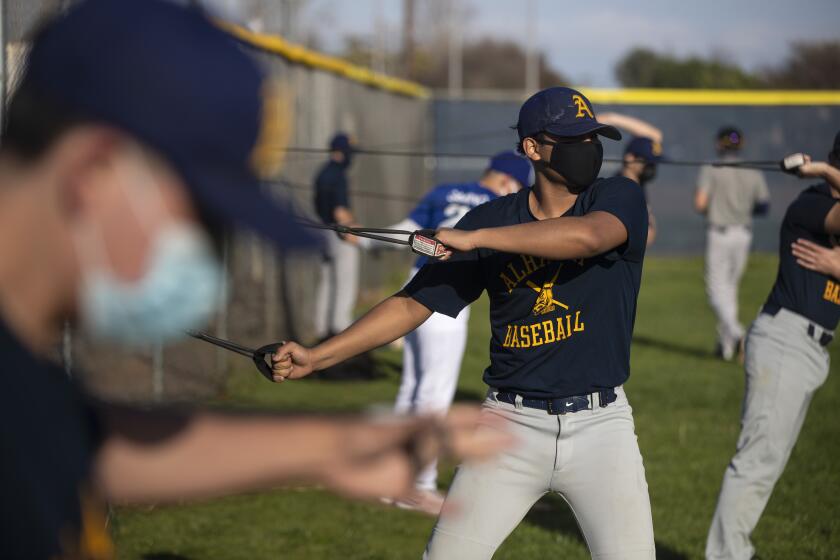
(545, 299)
(832, 292)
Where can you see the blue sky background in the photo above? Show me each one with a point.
(585, 39)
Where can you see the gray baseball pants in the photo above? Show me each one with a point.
(338, 287)
(784, 367)
(591, 458)
(727, 250)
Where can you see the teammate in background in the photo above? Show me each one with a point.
(729, 198)
(339, 283)
(642, 155)
(786, 360)
(109, 204)
(433, 352)
(562, 264)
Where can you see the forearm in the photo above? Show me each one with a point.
(156, 457)
(555, 238)
(388, 321)
(832, 177)
(634, 126)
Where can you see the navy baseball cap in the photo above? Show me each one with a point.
(165, 75)
(645, 148)
(341, 142)
(512, 164)
(563, 112)
(731, 137)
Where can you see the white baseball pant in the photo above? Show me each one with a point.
(591, 458)
(727, 250)
(784, 367)
(337, 288)
(431, 364)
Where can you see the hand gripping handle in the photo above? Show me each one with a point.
(259, 358)
(423, 242)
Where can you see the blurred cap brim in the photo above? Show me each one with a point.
(241, 202)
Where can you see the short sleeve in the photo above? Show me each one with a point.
(809, 211)
(340, 195)
(449, 286)
(422, 213)
(623, 199)
(704, 180)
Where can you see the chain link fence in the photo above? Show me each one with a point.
(271, 295)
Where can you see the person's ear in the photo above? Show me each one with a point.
(77, 159)
(530, 148)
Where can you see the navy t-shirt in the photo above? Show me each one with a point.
(558, 328)
(808, 293)
(49, 436)
(330, 191)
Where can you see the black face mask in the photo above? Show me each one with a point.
(648, 173)
(579, 163)
(348, 158)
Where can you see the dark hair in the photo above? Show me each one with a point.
(33, 124)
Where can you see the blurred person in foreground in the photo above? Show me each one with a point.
(642, 156)
(121, 159)
(729, 197)
(433, 352)
(786, 358)
(338, 286)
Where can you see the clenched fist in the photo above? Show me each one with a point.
(291, 361)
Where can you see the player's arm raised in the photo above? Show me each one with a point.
(388, 321)
(553, 238)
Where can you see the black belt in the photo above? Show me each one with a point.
(825, 337)
(724, 229)
(562, 405)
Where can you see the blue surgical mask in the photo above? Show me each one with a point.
(180, 290)
(180, 286)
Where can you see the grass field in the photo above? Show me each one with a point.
(686, 407)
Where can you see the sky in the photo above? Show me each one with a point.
(584, 40)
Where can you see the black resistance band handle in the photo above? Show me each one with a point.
(259, 358)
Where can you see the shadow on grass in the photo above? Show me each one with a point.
(673, 347)
(553, 513)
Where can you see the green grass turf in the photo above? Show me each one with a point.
(686, 407)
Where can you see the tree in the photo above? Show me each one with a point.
(813, 65)
(646, 68)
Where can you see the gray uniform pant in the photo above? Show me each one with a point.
(727, 250)
(784, 366)
(338, 287)
(591, 458)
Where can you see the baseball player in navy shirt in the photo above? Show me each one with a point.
(434, 350)
(561, 263)
(786, 360)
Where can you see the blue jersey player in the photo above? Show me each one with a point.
(561, 263)
(433, 351)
